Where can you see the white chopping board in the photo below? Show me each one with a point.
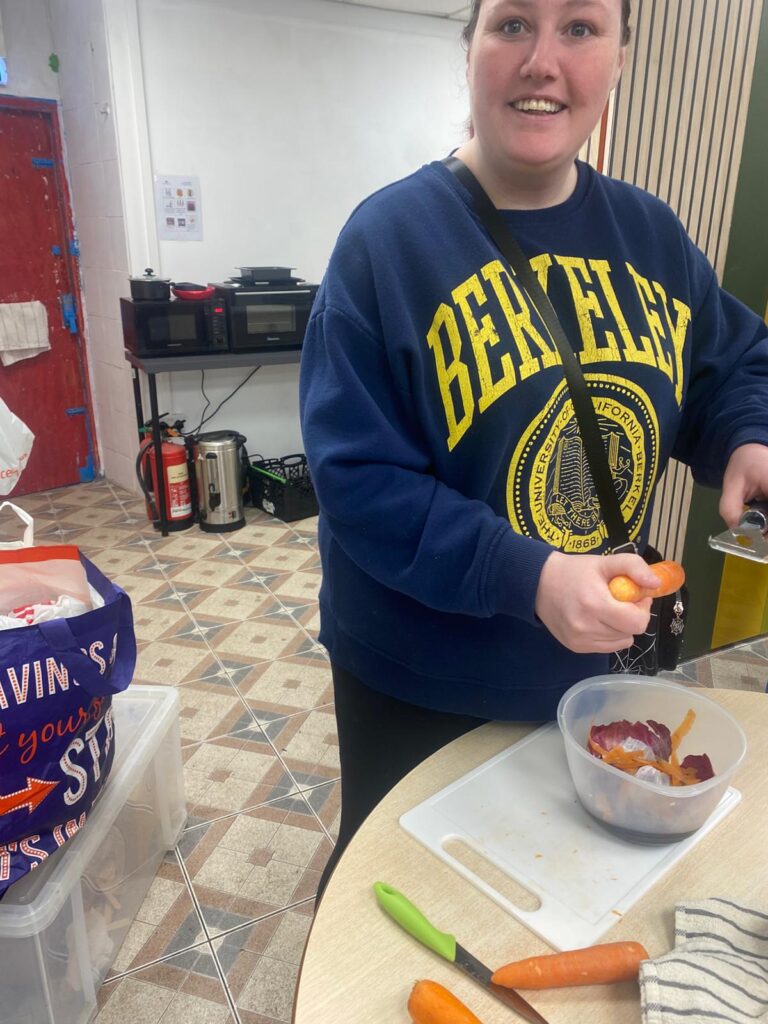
(520, 811)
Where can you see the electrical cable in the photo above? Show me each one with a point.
(207, 403)
(203, 418)
(210, 416)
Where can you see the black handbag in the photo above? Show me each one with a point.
(659, 647)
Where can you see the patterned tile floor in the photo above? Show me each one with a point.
(230, 620)
(741, 666)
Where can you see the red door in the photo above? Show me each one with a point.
(49, 391)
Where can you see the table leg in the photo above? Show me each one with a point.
(157, 444)
(138, 403)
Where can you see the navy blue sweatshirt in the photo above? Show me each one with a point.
(441, 438)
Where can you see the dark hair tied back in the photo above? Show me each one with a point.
(469, 28)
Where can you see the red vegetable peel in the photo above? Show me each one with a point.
(630, 746)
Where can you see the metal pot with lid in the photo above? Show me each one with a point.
(220, 463)
(149, 287)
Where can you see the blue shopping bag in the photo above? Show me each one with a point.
(57, 738)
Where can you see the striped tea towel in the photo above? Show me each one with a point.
(718, 970)
(23, 331)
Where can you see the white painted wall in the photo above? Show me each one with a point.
(290, 112)
(87, 110)
(28, 45)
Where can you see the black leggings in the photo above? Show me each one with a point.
(380, 740)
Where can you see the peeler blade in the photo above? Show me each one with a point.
(749, 538)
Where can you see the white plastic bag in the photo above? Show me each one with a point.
(28, 540)
(16, 440)
(64, 607)
(39, 575)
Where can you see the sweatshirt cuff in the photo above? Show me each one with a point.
(513, 576)
(747, 435)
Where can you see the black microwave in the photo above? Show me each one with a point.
(174, 327)
(268, 316)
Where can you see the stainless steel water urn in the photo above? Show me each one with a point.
(219, 468)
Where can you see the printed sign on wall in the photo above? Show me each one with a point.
(178, 208)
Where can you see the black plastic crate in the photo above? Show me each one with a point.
(282, 487)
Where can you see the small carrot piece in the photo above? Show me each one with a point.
(631, 760)
(595, 965)
(671, 576)
(682, 729)
(430, 1003)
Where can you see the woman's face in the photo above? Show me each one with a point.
(539, 74)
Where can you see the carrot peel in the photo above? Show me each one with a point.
(595, 965)
(431, 1003)
(671, 576)
(660, 749)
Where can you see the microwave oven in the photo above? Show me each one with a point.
(174, 327)
(266, 316)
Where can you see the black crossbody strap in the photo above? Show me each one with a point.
(583, 407)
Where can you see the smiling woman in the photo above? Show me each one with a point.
(466, 561)
(539, 73)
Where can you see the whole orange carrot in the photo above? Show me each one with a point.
(430, 1003)
(595, 965)
(671, 576)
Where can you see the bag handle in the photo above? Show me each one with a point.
(28, 539)
(117, 677)
(583, 407)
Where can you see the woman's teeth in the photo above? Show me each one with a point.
(538, 106)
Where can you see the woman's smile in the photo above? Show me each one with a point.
(537, 106)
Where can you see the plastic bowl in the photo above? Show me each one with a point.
(637, 810)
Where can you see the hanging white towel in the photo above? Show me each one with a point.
(23, 331)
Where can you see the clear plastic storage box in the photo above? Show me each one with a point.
(63, 924)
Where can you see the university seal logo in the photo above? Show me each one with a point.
(550, 493)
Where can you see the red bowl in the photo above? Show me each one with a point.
(200, 293)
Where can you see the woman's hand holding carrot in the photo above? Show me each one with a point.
(574, 602)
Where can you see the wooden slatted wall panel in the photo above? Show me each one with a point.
(680, 113)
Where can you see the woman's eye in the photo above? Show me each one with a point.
(581, 30)
(513, 27)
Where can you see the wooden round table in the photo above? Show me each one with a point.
(359, 966)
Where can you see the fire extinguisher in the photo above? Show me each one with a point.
(175, 477)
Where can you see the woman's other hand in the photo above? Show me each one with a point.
(574, 602)
(746, 478)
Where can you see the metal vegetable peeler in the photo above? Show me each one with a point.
(749, 538)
